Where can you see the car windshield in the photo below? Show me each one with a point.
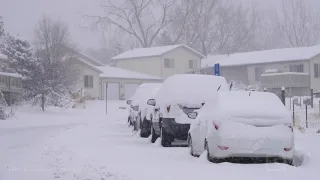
(138, 89)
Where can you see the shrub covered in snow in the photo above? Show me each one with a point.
(3, 104)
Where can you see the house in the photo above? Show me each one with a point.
(162, 61)
(121, 83)
(97, 80)
(10, 84)
(296, 69)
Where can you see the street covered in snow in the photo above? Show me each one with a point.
(87, 144)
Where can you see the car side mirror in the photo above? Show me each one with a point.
(151, 102)
(129, 102)
(193, 115)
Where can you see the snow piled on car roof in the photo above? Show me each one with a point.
(190, 89)
(146, 91)
(248, 105)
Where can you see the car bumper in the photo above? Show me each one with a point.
(146, 125)
(175, 130)
(249, 148)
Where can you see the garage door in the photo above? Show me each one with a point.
(129, 90)
(113, 91)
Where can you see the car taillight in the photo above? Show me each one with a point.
(223, 147)
(287, 149)
(216, 126)
(168, 108)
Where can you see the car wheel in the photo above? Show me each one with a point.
(190, 146)
(145, 131)
(211, 159)
(165, 139)
(288, 161)
(207, 149)
(154, 137)
(129, 121)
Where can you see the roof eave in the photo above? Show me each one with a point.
(284, 61)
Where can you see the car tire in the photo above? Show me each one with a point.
(190, 146)
(154, 137)
(136, 124)
(288, 161)
(129, 121)
(165, 139)
(211, 159)
(144, 133)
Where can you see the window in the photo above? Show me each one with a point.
(296, 68)
(316, 70)
(192, 64)
(258, 72)
(168, 63)
(88, 81)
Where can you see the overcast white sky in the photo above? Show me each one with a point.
(20, 16)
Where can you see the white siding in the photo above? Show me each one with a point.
(85, 70)
(235, 73)
(122, 82)
(155, 65)
(315, 82)
(146, 65)
(282, 66)
(181, 58)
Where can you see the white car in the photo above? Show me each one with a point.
(140, 111)
(178, 96)
(240, 124)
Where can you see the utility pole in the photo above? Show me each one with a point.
(106, 98)
(283, 95)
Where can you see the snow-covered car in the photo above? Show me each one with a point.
(178, 96)
(240, 124)
(140, 111)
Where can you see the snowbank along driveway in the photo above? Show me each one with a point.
(87, 144)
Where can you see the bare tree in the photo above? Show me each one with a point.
(299, 23)
(192, 23)
(212, 26)
(53, 76)
(1, 27)
(141, 19)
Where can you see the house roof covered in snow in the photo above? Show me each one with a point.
(2, 56)
(210, 60)
(270, 56)
(85, 57)
(113, 72)
(16, 75)
(152, 51)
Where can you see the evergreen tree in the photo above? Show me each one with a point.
(19, 53)
(1, 27)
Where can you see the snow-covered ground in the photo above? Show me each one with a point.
(87, 144)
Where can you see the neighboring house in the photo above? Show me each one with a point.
(10, 86)
(162, 61)
(94, 77)
(121, 83)
(296, 69)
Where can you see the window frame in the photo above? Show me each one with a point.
(316, 69)
(192, 63)
(88, 81)
(296, 68)
(257, 74)
(169, 63)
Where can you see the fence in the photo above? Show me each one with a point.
(303, 113)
